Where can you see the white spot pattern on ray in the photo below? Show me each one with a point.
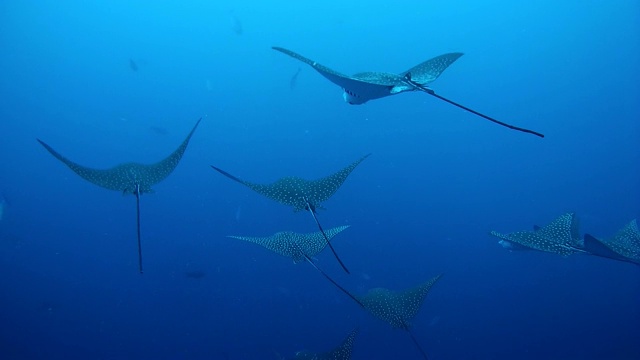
(296, 192)
(125, 177)
(294, 245)
(561, 236)
(397, 308)
(365, 86)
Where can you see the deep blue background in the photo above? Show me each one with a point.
(438, 180)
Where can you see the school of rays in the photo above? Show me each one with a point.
(395, 307)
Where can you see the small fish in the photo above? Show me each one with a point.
(238, 214)
(294, 80)
(236, 25)
(158, 130)
(132, 65)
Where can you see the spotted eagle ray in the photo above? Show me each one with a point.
(302, 194)
(362, 87)
(561, 236)
(294, 245)
(342, 352)
(300, 247)
(398, 308)
(130, 178)
(623, 246)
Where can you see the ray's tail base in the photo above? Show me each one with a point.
(313, 213)
(415, 341)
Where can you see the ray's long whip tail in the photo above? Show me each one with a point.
(313, 213)
(429, 91)
(310, 261)
(137, 193)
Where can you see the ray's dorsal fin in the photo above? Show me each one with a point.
(129, 178)
(302, 194)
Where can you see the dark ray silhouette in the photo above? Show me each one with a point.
(365, 86)
(293, 82)
(342, 352)
(129, 178)
(623, 246)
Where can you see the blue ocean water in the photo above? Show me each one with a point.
(111, 82)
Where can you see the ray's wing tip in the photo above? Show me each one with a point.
(363, 158)
(194, 128)
(282, 50)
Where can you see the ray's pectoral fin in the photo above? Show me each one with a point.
(428, 71)
(596, 247)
